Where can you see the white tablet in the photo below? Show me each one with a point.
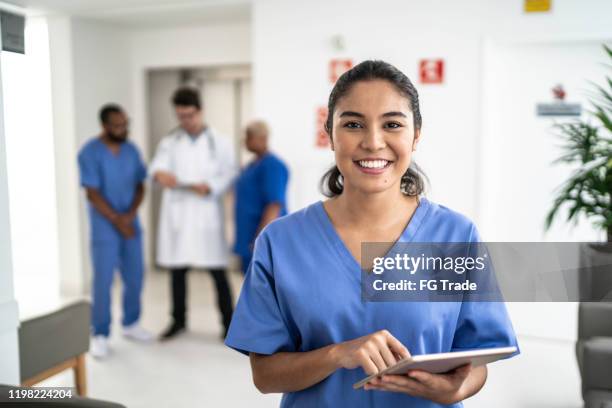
(443, 362)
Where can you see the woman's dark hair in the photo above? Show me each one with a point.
(186, 96)
(412, 183)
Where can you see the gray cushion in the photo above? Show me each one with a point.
(598, 399)
(594, 319)
(51, 339)
(597, 363)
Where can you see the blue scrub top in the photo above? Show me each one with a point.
(116, 178)
(303, 292)
(262, 182)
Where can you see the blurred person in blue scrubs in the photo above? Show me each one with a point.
(261, 191)
(300, 316)
(112, 173)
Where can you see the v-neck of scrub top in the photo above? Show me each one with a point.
(351, 264)
(110, 152)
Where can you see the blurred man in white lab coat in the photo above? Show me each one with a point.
(195, 165)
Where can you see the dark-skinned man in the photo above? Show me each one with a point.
(112, 174)
(260, 191)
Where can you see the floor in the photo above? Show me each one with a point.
(197, 370)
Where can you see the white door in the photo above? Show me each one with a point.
(517, 179)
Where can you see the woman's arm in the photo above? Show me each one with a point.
(288, 372)
(295, 371)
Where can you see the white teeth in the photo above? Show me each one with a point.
(373, 164)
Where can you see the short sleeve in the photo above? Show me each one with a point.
(258, 324)
(275, 177)
(226, 170)
(88, 169)
(483, 324)
(141, 171)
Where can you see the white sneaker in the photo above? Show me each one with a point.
(136, 332)
(98, 348)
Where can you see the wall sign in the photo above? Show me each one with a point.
(537, 6)
(559, 107)
(12, 28)
(431, 71)
(338, 67)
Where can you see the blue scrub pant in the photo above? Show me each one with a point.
(107, 256)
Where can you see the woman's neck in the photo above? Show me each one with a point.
(358, 208)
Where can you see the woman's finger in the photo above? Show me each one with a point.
(367, 364)
(412, 389)
(397, 346)
(463, 371)
(378, 360)
(423, 377)
(387, 355)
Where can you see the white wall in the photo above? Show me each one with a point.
(72, 278)
(31, 168)
(9, 320)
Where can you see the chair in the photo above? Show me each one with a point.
(54, 342)
(594, 353)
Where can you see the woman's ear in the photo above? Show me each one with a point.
(417, 137)
(331, 139)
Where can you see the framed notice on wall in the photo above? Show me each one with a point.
(12, 27)
(338, 67)
(431, 71)
(537, 6)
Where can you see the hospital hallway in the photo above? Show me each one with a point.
(197, 370)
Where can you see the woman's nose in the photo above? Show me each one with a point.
(373, 140)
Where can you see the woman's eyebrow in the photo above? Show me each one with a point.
(361, 115)
(351, 113)
(384, 115)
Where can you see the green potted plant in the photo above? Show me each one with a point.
(589, 189)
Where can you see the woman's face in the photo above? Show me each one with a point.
(373, 136)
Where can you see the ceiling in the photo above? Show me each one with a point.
(144, 13)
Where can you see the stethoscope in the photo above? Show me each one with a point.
(207, 133)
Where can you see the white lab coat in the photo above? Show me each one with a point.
(191, 227)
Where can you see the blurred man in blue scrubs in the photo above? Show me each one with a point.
(112, 173)
(260, 191)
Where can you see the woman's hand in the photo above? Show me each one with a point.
(373, 352)
(444, 389)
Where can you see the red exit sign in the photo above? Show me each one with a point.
(431, 71)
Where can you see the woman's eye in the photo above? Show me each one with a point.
(393, 125)
(352, 125)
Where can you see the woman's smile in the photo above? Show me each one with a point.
(373, 165)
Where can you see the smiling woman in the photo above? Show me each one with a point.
(300, 316)
(384, 78)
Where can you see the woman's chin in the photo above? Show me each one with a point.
(374, 188)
